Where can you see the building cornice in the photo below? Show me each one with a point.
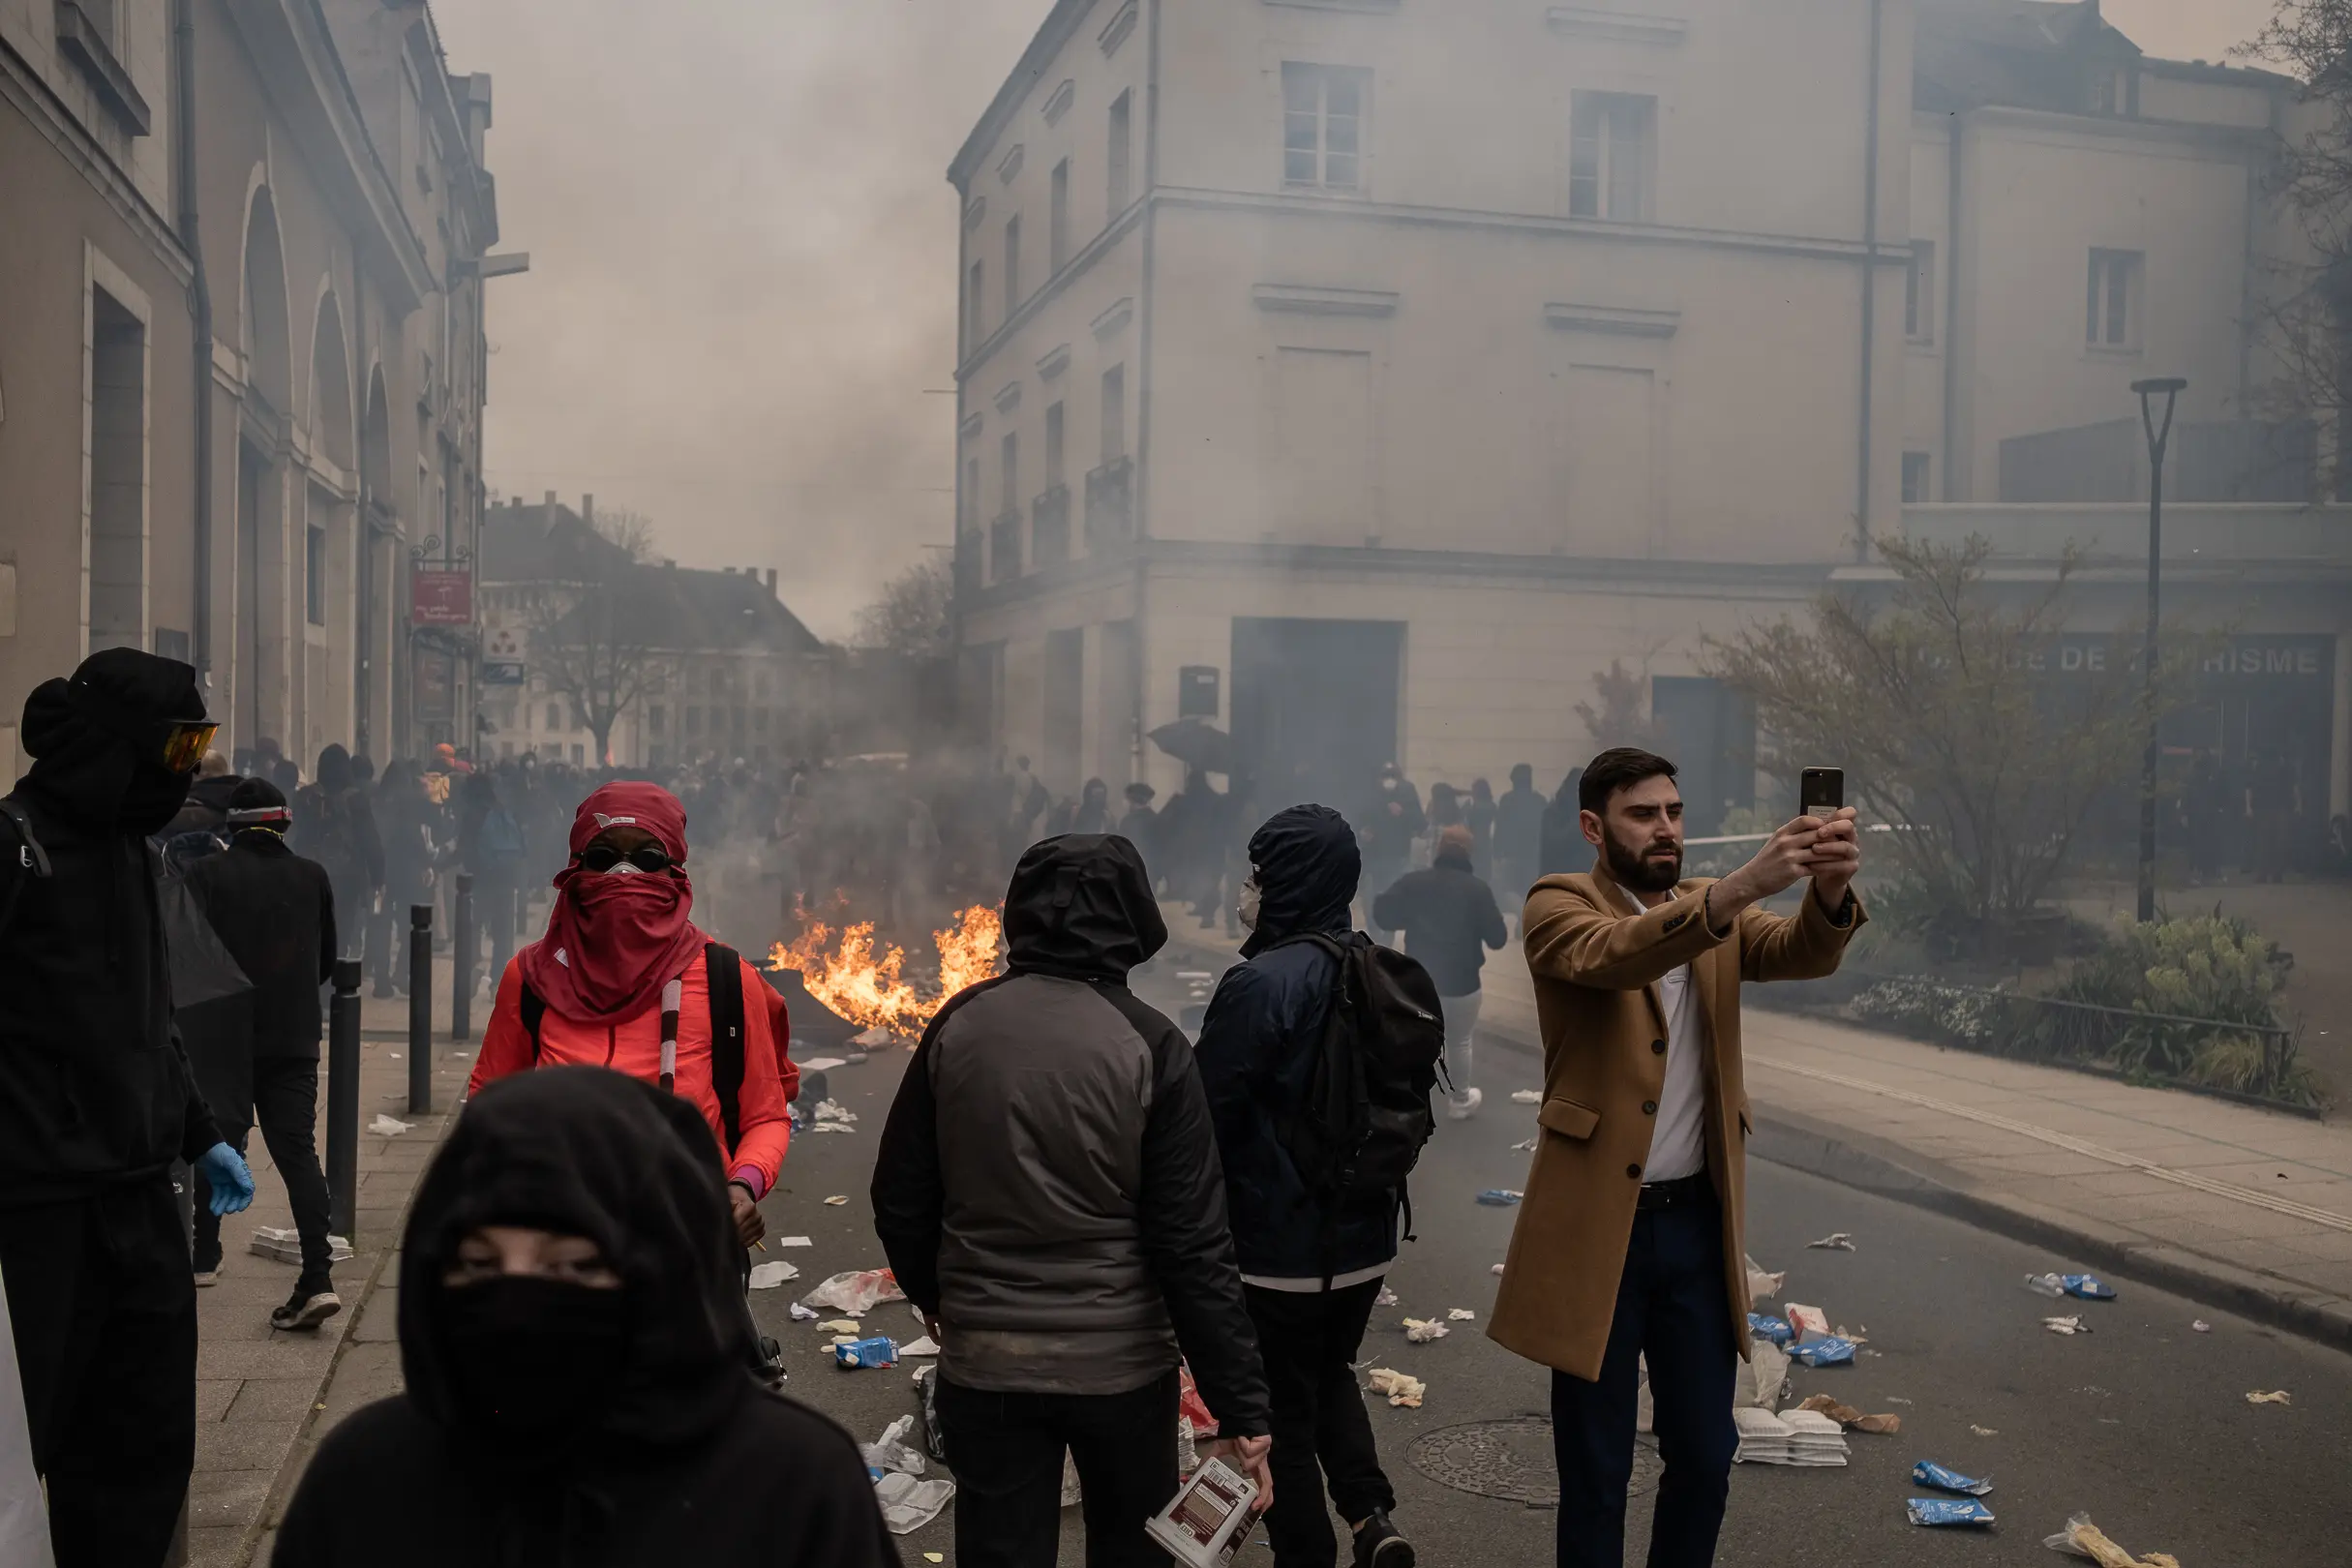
(1078, 266)
(1060, 24)
(2112, 128)
(23, 88)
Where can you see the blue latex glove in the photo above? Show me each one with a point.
(232, 1184)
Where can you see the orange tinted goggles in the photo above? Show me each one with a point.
(185, 745)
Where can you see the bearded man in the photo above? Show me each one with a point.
(1629, 1241)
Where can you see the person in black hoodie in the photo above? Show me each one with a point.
(334, 825)
(1448, 920)
(576, 1360)
(275, 913)
(96, 1102)
(1310, 1277)
(407, 820)
(1047, 1190)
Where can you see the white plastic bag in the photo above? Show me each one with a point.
(892, 1450)
(856, 1292)
(909, 1504)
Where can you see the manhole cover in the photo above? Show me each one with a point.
(1511, 1460)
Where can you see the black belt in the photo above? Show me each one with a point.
(1677, 1193)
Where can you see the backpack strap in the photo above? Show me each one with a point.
(534, 1011)
(30, 858)
(723, 969)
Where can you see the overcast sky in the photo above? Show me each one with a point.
(742, 262)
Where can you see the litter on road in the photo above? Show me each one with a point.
(1763, 1380)
(836, 1200)
(1984, 1432)
(2276, 1396)
(892, 1452)
(1832, 1351)
(856, 1292)
(1499, 1197)
(848, 1326)
(2083, 1287)
(1497, 1271)
(2201, 1326)
(1386, 1297)
(285, 1246)
(1943, 1511)
(1403, 1391)
(1852, 1419)
(801, 1314)
(1422, 1330)
(909, 1504)
(1527, 1097)
(1461, 1314)
(793, 1241)
(2083, 1539)
(768, 1276)
(1837, 1241)
(1806, 1320)
(1762, 1286)
(2065, 1325)
(1770, 1330)
(854, 1355)
(832, 1110)
(1805, 1438)
(1527, 1147)
(388, 1127)
(833, 1126)
(925, 1346)
(1928, 1473)
(822, 1064)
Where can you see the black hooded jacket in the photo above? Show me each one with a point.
(690, 1459)
(1258, 1045)
(1048, 1184)
(95, 1090)
(275, 913)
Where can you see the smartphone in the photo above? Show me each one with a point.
(1821, 792)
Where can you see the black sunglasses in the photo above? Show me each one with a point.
(647, 857)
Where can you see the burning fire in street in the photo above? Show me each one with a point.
(864, 982)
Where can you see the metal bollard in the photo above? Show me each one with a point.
(343, 1099)
(420, 1008)
(460, 961)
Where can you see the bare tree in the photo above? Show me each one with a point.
(1941, 706)
(591, 641)
(913, 616)
(1621, 716)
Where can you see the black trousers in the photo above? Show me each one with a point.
(389, 941)
(286, 1102)
(1322, 1434)
(1006, 1450)
(1671, 1305)
(106, 1328)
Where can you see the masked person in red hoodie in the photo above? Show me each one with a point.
(624, 979)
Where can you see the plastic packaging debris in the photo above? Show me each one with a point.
(1527, 1147)
(836, 1200)
(1190, 1405)
(878, 1351)
(1461, 1314)
(926, 1389)
(1497, 1271)
(2201, 1326)
(832, 1110)
(793, 1241)
(1984, 1432)
(848, 1326)
(1386, 1297)
(1800, 1437)
(1928, 1473)
(388, 1127)
(856, 1292)
(1829, 1352)
(1764, 1377)
(1499, 1197)
(1852, 1419)
(1206, 1523)
(925, 1346)
(1941, 1511)
(2083, 1539)
(1837, 1241)
(285, 1246)
(2276, 1396)
(2085, 1286)
(1422, 1330)
(1763, 1286)
(1809, 1321)
(1527, 1097)
(2065, 1325)
(1401, 1389)
(909, 1504)
(833, 1126)
(768, 1276)
(892, 1452)
(803, 1314)
(1770, 1330)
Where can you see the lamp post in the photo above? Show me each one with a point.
(2169, 388)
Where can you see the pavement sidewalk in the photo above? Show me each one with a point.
(256, 1389)
(2246, 1209)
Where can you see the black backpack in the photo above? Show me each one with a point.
(723, 967)
(1360, 1129)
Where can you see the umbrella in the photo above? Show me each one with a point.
(1195, 745)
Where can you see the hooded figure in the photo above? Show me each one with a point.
(1047, 1189)
(574, 1350)
(1310, 1276)
(96, 1102)
(334, 825)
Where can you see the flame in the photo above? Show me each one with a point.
(863, 981)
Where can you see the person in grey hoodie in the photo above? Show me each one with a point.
(1048, 1193)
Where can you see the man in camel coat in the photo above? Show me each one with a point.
(1629, 1241)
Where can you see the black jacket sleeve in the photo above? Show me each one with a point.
(907, 1196)
(198, 1133)
(1492, 929)
(1187, 1235)
(1393, 908)
(328, 938)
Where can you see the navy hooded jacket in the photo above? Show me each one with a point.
(1257, 1050)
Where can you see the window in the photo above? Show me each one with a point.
(1010, 456)
(576, 757)
(694, 721)
(1122, 136)
(1914, 478)
(315, 575)
(1057, 222)
(972, 494)
(1114, 414)
(1053, 447)
(555, 716)
(1012, 265)
(975, 299)
(115, 473)
(2112, 318)
(656, 718)
(1323, 126)
(1609, 151)
(1920, 293)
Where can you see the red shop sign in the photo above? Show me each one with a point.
(440, 597)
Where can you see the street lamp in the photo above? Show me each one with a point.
(2169, 387)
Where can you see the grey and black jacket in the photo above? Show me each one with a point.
(1048, 1184)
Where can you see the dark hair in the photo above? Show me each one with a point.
(1620, 768)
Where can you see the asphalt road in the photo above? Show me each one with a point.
(2143, 1424)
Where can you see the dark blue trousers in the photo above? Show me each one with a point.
(1670, 1306)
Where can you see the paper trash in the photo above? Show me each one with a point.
(1809, 1321)
(909, 1504)
(1837, 1241)
(833, 1126)
(1762, 1377)
(388, 1127)
(2276, 1396)
(873, 1040)
(1800, 1437)
(801, 1314)
(1527, 1097)
(768, 1276)
(851, 1355)
(1762, 1286)
(842, 1325)
(286, 1245)
(925, 1346)
(1422, 1330)
(1828, 1352)
(836, 1200)
(793, 1241)
(832, 1110)
(892, 1450)
(1205, 1525)
(1461, 1314)
(822, 1064)
(2065, 1325)
(1852, 1419)
(2083, 1539)
(2086, 1286)
(1386, 1297)
(1401, 1389)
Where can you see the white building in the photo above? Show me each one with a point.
(1367, 376)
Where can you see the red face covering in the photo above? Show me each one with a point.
(613, 942)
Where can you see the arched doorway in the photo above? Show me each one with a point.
(372, 680)
(260, 705)
(330, 543)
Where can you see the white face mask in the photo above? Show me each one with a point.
(1249, 904)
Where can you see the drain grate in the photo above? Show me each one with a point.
(1511, 1460)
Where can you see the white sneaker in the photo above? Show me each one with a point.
(1463, 1110)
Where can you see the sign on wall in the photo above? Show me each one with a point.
(436, 686)
(440, 596)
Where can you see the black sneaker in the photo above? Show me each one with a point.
(1379, 1544)
(306, 1310)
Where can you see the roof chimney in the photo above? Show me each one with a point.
(547, 514)
(587, 509)
(771, 582)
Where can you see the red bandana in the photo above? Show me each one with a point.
(613, 942)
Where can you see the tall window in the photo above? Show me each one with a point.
(1914, 478)
(1122, 140)
(971, 493)
(1612, 148)
(1011, 454)
(315, 575)
(1114, 414)
(2112, 317)
(1323, 126)
(1057, 222)
(1012, 265)
(1054, 475)
(976, 300)
(1920, 293)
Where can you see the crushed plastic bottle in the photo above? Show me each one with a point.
(1928, 1473)
(2082, 1287)
(1945, 1511)
(1832, 1351)
(1774, 1329)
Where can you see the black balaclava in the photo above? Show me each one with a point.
(97, 740)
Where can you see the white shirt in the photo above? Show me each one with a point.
(1678, 1138)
